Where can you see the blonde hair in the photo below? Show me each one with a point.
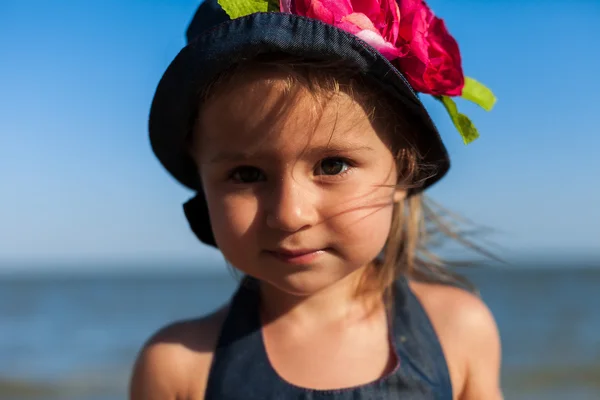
(418, 222)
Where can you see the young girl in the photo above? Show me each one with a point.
(309, 151)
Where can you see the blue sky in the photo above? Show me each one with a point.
(79, 181)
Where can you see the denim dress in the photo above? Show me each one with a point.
(241, 369)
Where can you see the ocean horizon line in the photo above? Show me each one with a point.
(217, 266)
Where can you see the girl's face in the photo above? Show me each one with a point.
(297, 197)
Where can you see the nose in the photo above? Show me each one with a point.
(291, 207)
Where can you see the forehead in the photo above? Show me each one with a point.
(268, 112)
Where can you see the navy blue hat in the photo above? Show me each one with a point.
(216, 43)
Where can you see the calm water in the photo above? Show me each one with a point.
(76, 337)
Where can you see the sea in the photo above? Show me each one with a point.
(75, 336)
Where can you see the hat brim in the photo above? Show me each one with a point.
(176, 101)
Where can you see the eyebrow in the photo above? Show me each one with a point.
(239, 156)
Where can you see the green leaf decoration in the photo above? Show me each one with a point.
(241, 8)
(478, 93)
(464, 125)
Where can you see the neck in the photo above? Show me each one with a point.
(336, 303)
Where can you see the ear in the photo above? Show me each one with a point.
(399, 195)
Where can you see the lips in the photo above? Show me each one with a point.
(297, 256)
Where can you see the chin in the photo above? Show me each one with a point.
(299, 286)
(306, 282)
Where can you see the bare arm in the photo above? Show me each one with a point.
(483, 357)
(175, 362)
(152, 377)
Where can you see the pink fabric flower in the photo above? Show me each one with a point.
(404, 31)
(431, 59)
(374, 21)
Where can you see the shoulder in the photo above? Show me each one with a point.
(469, 337)
(175, 361)
(453, 307)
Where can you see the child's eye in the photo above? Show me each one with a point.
(247, 175)
(332, 166)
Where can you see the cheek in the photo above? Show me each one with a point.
(366, 229)
(363, 226)
(232, 219)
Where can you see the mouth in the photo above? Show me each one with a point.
(297, 256)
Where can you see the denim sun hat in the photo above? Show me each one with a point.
(215, 43)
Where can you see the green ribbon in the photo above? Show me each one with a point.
(464, 125)
(478, 93)
(241, 8)
(475, 92)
